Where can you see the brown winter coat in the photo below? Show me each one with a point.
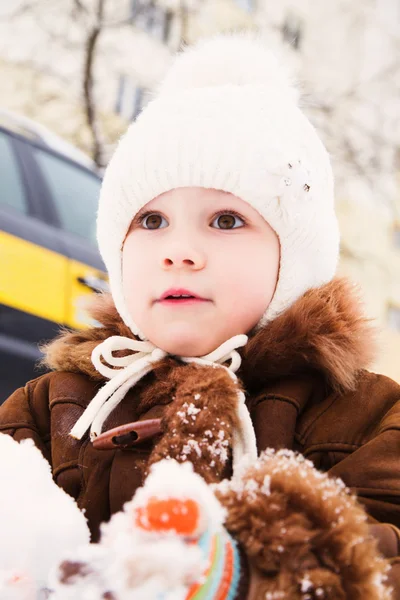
(307, 390)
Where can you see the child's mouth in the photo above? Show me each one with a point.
(181, 300)
(181, 297)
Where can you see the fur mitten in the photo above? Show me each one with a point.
(305, 535)
(200, 421)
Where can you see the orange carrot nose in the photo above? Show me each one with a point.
(182, 516)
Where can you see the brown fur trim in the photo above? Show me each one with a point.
(324, 332)
(303, 532)
(200, 420)
(71, 350)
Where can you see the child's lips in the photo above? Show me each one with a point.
(179, 296)
(182, 301)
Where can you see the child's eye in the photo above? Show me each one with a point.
(223, 220)
(226, 220)
(153, 221)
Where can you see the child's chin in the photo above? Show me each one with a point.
(186, 341)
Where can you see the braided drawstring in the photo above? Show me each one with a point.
(124, 372)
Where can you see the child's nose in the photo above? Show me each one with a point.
(180, 258)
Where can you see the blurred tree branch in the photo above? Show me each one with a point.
(84, 23)
(360, 134)
(88, 76)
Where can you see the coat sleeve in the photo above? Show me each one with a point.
(373, 473)
(26, 415)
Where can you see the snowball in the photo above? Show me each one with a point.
(39, 522)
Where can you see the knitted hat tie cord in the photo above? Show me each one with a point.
(124, 372)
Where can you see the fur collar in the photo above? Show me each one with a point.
(324, 332)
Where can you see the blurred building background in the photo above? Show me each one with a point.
(85, 68)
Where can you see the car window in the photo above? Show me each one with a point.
(75, 193)
(12, 191)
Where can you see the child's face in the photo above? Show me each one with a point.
(180, 240)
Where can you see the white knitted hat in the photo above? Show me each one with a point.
(226, 117)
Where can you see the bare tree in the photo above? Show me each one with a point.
(89, 20)
(88, 79)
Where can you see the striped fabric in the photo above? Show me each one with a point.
(221, 577)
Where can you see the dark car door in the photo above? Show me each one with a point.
(73, 191)
(33, 267)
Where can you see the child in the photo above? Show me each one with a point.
(217, 227)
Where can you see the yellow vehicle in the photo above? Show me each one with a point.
(48, 254)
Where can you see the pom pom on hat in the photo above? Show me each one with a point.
(239, 59)
(226, 117)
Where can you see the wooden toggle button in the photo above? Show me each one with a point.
(128, 435)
